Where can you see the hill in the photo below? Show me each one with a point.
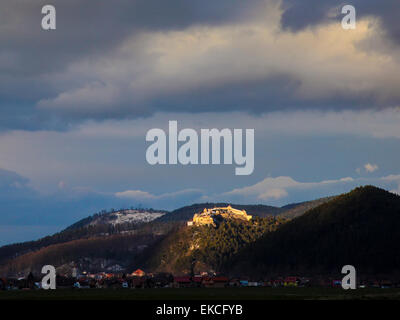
(360, 228)
(205, 247)
(114, 252)
(119, 217)
(97, 225)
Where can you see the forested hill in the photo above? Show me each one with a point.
(103, 224)
(206, 247)
(360, 228)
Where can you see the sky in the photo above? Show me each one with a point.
(76, 103)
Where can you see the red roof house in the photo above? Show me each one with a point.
(138, 273)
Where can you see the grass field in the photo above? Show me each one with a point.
(204, 294)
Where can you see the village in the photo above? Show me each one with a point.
(139, 279)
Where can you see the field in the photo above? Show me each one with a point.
(205, 294)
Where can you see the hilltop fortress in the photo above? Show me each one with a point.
(215, 215)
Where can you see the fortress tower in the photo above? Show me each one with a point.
(210, 216)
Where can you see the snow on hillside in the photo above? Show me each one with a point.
(127, 216)
(134, 216)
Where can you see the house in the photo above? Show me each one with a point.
(290, 282)
(253, 284)
(182, 282)
(138, 273)
(215, 282)
(198, 280)
(304, 282)
(138, 282)
(277, 283)
(336, 283)
(115, 268)
(207, 282)
(234, 282)
(220, 282)
(162, 280)
(386, 284)
(244, 283)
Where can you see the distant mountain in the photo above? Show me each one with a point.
(360, 228)
(186, 213)
(120, 217)
(90, 253)
(99, 224)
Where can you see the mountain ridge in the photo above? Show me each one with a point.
(361, 223)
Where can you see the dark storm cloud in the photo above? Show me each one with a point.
(31, 58)
(93, 27)
(255, 97)
(42, 86)
(298, 15)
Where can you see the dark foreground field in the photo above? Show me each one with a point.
(204, 294)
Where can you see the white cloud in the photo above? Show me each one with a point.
(392, 177)
(277, 191)
(370, 167)
(274, 194)
(135, 194)
(268, 184)
(279, 187)
(144, 195)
